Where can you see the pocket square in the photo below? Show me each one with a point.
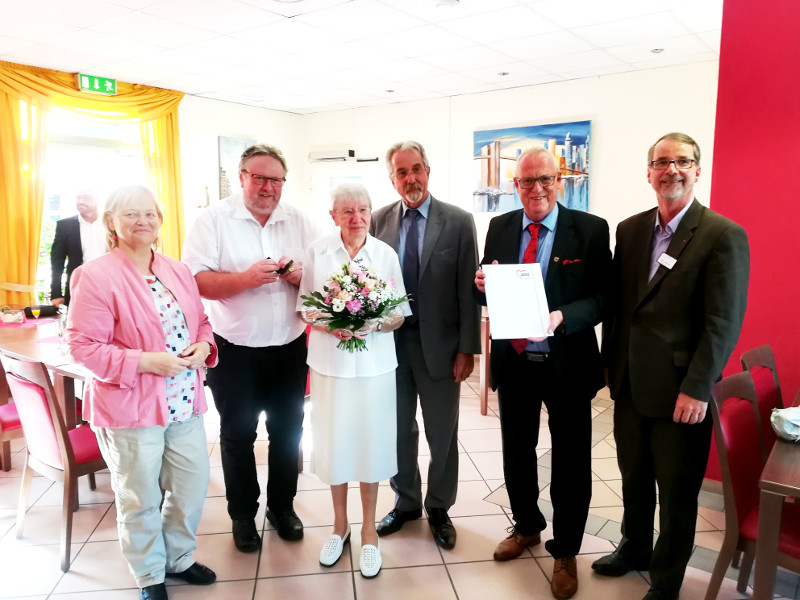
(568, 261)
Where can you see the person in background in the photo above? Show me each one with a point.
(679, 291)
(78, 239)
(437, 246)
(354, 399)
(137, 324)
(563, 371)
(246, 253)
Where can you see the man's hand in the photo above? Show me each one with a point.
(462, 366)
(556, 318)
(295, 271)
(480, 279)
(261, 273)
(688, 410)
(57, 301)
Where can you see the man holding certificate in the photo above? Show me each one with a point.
(562, 370)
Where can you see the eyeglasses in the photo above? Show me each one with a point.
(262, 179)
(680, 163)
(527, 183)
(349, 213)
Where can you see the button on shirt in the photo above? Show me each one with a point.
(228, 239)
(547, 234)
(662, 236)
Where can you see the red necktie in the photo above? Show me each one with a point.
(529, 257)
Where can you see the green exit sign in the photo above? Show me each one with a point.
(97, 85)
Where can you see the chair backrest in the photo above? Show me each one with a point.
(42, 423)
(737, 429)
(761, 363)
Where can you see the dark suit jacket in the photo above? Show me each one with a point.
(66, 247)
(576, 282)
(676, 332)
(449, 318)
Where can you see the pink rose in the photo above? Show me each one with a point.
(353, 306)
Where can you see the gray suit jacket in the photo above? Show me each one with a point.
(449, 317)
(675, 332)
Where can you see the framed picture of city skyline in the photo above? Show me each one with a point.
(230, 151)
(495, 153)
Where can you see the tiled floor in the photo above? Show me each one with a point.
(414, 567)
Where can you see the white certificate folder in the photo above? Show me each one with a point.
(516, 301)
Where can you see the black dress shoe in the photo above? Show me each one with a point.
(154, 592)
(442, 528)
(657, 594)
(396, 519)
(245, 535)
(197, 574)
(287, 523)
(616, 565)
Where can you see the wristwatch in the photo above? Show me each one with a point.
(380, 326)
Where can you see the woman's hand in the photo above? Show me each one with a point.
(341, 334)
(162, 363)
(197, 354)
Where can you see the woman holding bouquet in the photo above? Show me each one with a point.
(354, 395)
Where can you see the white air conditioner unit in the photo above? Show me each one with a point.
(329, 155)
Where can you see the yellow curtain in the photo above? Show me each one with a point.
(44, 89)
(22, 145)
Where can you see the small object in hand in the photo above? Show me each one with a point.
(287, 268)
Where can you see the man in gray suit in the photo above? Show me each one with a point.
(437, 246)
(678, 297)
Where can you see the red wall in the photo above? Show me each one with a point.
(756, 177)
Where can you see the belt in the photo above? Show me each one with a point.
(537, 356)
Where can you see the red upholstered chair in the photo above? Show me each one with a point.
(10, 428)
(53, 451)
(761, 363)
(739, 436)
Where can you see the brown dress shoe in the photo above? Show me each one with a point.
(511, 547)
(565, 578)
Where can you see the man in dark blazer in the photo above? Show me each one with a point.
(563, 371)
(679, 280)
(69, 242)
(436, 344)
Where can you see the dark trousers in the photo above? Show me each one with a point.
(658, 451)
(438, 399)
(523, 387)
(246, 382)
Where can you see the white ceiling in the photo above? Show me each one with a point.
(306, 56)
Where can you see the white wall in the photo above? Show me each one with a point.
(629, 111)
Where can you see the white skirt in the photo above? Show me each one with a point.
(354, 428)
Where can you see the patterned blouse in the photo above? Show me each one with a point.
(181, 388)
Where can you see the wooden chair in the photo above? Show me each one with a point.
(739, 436)
(10, 427)
(760, 362)
(52, 451)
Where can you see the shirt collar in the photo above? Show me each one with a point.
(549, 222)
(672, 226)
(335, 243)
(423, 208)
(242, 212)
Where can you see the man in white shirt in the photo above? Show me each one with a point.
(78, 239)
(246, 253)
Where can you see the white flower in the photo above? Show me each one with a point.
(347, 279)
(374, 295)
(337, 305)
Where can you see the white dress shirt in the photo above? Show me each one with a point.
(227, 238)
(93, 242)
(327, 255)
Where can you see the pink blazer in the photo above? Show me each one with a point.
(112, 320)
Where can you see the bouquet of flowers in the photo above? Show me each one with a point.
(350, 297)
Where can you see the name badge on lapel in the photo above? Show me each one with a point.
(666, 260)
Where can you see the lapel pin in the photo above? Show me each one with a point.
(555, 259)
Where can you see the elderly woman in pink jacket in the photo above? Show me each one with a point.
(137, 324)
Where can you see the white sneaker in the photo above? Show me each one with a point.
(370, 561)
(332, 549)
